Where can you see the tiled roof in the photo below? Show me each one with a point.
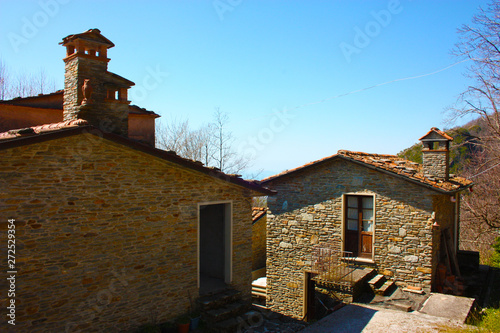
(29, 131)
(18, 99)
(138, 110)
(390, 164)
(437, 131)
(92, 35)
(29, 135)
(257, 213)
(120, 80)
(30, 100)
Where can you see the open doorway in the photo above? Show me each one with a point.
(309, 297)
(214, 247)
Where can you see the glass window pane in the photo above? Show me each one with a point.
(352, 213)
(367, 202)
(367, 214)
(352, 225)
(368, 226)
(352, 202)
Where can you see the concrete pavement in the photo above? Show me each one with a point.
(357, 318)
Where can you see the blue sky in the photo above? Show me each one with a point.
(292, 75)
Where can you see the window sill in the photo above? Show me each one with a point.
(358, 260)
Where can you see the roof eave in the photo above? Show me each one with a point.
(292, 171)
(168, 156)
(403, 177)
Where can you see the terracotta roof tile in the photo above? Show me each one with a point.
(19, 99)
(42, 128)
(92, 35)
(258, 212)
(392, 164)
(28, 102)
(438, 131)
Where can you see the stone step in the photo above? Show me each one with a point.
(386, 289)
(377, 281)
(219, 299)
(259, 291)
(401, 306)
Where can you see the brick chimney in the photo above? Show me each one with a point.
(90, 91)
(436, 154)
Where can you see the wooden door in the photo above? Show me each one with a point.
(359, 226)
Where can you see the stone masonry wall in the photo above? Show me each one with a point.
(308, 211)
(259, 243)
(109, 116)
(435, 163)
(106, 236)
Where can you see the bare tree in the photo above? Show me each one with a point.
(480, 210)
(22, 84)
(43, 83)
(211, 144)
(482, 205)
(172, 135)
(4, 92)
(225, 157)
(480, 44)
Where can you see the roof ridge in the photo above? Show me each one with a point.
(32, 130)
(392, 164)
(46, 132)
(19, 98)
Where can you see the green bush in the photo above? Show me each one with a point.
(494, 260)
(491, 320)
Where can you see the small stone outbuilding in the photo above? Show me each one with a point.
(386, 212)
(110, 232)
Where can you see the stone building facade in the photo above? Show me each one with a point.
(379, 207)
(112, 233)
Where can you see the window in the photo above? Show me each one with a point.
(359, 221)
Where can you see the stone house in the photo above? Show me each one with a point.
(385, 212)
(110, 232)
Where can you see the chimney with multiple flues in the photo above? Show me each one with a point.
(90, 91)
